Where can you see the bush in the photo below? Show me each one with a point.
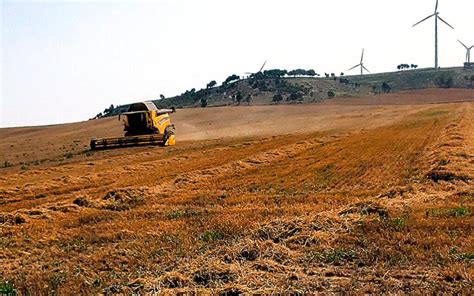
(386, 88)
(203, 103)
(210, 236)
(277, 98)
(453, 212)
(444, 81)
(296, 96)
(331, 94)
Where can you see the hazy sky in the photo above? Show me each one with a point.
(64, 61)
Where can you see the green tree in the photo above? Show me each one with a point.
(386, 88)
(238, 97)
(277, 98)
(203, 103)
(211, 84)
(248, 98)
(231, 78)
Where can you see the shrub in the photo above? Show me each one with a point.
(295, 96)
(453, 253)
(386, 88)
(453, 212)
(210, 236)
(444, 81)
(331, 94)
(277, 98)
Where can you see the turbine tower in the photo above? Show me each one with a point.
(437, 17)
(361, 65)
(261, 68)
(468, 52)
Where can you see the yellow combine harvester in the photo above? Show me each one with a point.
(144, 124)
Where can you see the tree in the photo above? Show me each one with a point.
(248, 98)
(238, 97)
(311, 73)
(203, 103)
(445, 81)
(211, 84)
(109, 110)
(386, 88)
(295, 96)
(275, 73)
(277, 98)
(162, 97)
(231, 78)
(342, 74)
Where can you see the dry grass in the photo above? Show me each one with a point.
(330, 211)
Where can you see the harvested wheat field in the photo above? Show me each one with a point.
(369, 196)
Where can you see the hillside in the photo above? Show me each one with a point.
(262, 88)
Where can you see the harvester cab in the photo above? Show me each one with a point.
(144, 124)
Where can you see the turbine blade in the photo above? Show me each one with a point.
(423, 20)
(463, 44)
(354, 67)
(365, 68)
(445, 22)
(262, 67)
(362, 56)
(436, 7)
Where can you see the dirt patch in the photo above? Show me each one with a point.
(444, 175)
(211, 276)
(173, 280)
(12, 219)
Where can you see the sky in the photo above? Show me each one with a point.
(66, 61)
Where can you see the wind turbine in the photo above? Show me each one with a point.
(468, 51)
(261, 68)
(437, 17)
(361, 65)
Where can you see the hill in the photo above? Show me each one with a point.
(273, 87)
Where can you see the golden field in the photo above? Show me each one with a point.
(369, 195)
